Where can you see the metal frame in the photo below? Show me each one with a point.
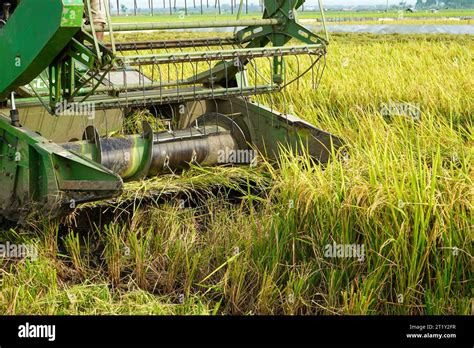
(46, 177)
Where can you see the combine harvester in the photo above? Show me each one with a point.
(65, 92)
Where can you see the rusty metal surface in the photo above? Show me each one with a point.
(89, 185)
(165, 44)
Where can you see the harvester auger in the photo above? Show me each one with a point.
(64, 92)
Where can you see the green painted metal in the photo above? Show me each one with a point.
(261, 35)
(248, 52)
(48, 57)
(184, 25)
(155, 96)
(270, 130)
(38, 175)
(279, 35)
(33, 37)
(65, 80)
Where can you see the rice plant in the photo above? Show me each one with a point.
(403, 195)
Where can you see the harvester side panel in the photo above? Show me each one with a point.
(33, 37)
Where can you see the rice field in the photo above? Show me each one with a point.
(404, 107)
(442, 17)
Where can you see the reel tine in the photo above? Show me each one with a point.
(323, 67)
(177, 82)
(313, 78)
(270, 64)
(176, 70)
(141, 82)
(297, 72)
(194, 82)
(153, 66)
(125, 85)
(161, 82)
(257, 74)
(226, 75)
(227, 81)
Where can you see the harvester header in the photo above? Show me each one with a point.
(71, 75)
